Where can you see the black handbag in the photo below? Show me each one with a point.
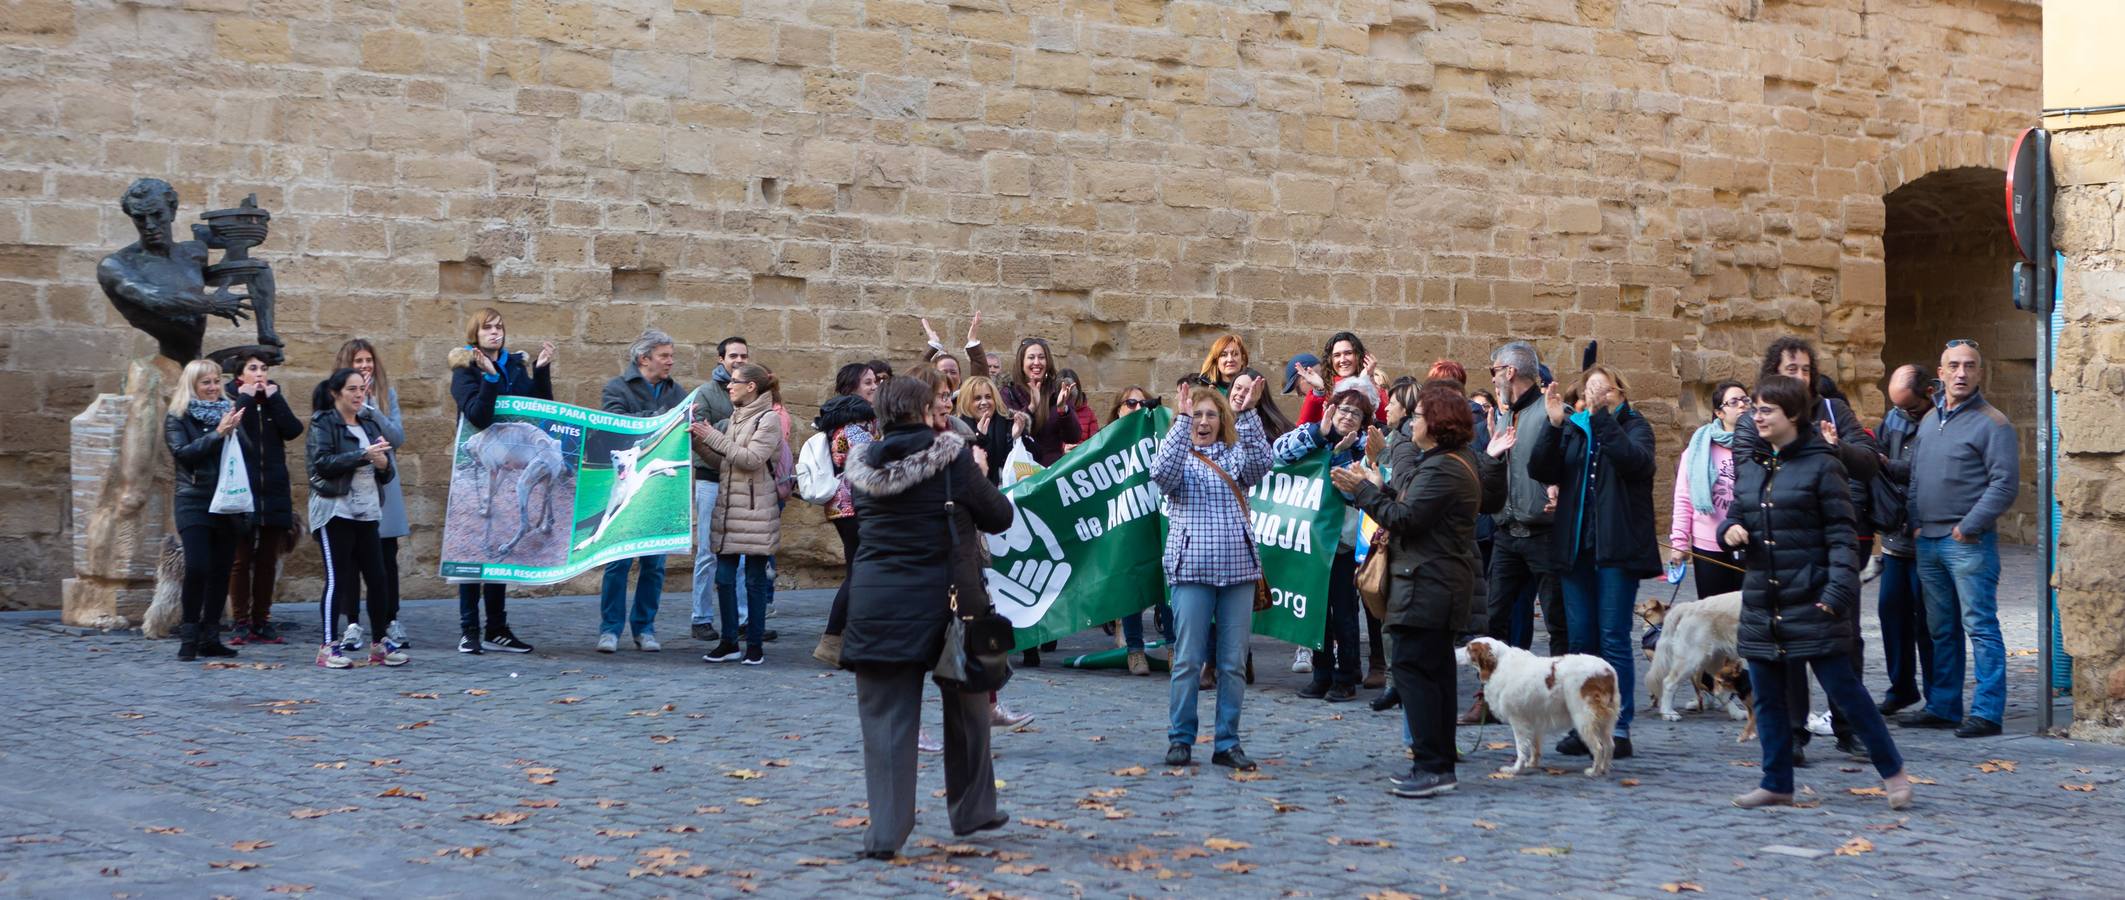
(977, 646)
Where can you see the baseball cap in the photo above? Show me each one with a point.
(1291, 369)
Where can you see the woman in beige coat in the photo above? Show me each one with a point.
(748, 514)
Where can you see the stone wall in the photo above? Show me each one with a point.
(1682, 180)
(2089, 380)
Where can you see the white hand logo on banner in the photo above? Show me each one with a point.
(1031, 584)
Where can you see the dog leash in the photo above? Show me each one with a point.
(1713, 560)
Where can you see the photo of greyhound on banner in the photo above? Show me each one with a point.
(551, 490)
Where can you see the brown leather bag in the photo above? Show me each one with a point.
(1262, 598)
(1373, 580)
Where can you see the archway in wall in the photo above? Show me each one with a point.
(1949, 262)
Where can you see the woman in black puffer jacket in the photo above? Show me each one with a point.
(922, 503)
(1792, 514)
(200, 418)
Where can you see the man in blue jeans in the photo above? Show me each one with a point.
(1965, 472)
(643, 388)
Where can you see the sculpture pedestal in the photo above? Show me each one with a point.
(122, 479)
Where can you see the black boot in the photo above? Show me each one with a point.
(210, 640)
(187, 642)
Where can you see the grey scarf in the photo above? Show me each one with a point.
(209, 412)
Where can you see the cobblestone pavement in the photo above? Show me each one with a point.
(567, 772)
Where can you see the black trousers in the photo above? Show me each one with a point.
(1517, 567)
(1424, 677)
(837, 618)
(209, 553)
(354, 557)
(1337, 663)
(1712, 579)
(390, 545)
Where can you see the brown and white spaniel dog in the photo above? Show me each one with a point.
(1539, 696)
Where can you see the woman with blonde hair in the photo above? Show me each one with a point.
(198, 422)
(996, 429)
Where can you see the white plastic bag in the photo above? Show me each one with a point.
(232, 490)
(1019, 465)
(816, 481)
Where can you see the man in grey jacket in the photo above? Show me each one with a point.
(1965, 472)
(1520, 539)
(643, 388)
(712, 406)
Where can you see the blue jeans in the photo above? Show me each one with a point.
(1597, 618)
(1907, 638)
(1193, 607)
(1840, 683)
(758, 587)
(612, 598)
(1133, 626)
(704, 612)
(1962, 583)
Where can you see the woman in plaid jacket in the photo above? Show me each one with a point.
(1209, 458)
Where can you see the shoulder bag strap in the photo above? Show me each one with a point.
(1238, 493)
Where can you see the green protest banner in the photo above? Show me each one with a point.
(548, 491)
(1086, 544)
(1298, 518)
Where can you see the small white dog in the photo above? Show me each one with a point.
(1539, 696)
(1696, 640)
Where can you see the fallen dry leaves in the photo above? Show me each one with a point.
(234, 865)
(2084, 788)
(1336, 841)
(1049, 824)
(291, 889)
(420, 695)
(501, 818)
(567, 701)
(617, 833)
(1282, 807)
(1855, 847)
(1250, 776)
(776, 763)
(1485, 825)
(587, 861)
(752, 801)
(1867, 792)
(1020, 868)
(1236, 867)
(539, 804)
(852, 822)
(311, 813)
(473, 852)
(1223, 845)
(163, 829)
(411, 726)
(1677, 887)
(250, 846)
(1132, 771)
(661, 739)
(478, 692)
(1996, 765)
(745, 774)
(1546, 851)
(1629, 782)
(402, 792)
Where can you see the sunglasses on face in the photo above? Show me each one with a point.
(1133, 403)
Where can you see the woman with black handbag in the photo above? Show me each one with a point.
(922, 502)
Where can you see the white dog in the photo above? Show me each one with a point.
(1539, 696)
(628, 479)
(1696, 640)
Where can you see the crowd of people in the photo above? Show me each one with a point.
(1531, 491)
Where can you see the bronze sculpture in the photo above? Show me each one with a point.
(159, 284)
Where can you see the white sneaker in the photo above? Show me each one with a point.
(387, 653)
(1819, 723)
(1302, 661)
(396, 634)
(1001, 716)
(608, 643)
(330, 657)
(927, 744)
(647, 642)
(351, 641)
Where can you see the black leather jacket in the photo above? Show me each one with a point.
(334, 454)
(197, 450)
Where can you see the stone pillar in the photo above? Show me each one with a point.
(2088, 379)
(120, 504)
